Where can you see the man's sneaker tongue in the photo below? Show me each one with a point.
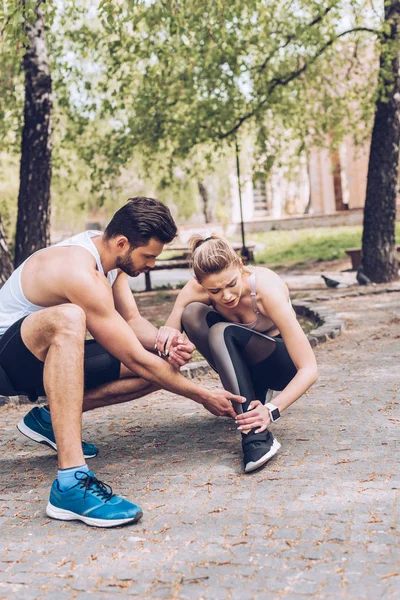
(83, 474)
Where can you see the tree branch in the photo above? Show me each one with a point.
(290, 38)
(278, 81)
(8, 21)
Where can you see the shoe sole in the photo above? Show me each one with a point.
(41, 439)
(66, 515)
(252, 466)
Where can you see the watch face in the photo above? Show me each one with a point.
(275, 414)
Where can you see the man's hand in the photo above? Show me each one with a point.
(219, 403)
(255, 416)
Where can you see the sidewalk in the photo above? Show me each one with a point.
(319, 521)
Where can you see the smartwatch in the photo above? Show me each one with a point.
(274, 413)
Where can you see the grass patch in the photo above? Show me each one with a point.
(299, 246)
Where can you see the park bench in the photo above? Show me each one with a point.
(183, 262)
(355, 256)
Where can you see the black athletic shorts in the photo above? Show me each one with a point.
(25, 371)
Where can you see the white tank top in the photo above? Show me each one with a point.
(14, 305)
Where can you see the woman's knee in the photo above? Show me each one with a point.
(228, 334)
(194, 314)
(216, 334)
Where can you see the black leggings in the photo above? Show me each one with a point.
(249, 363)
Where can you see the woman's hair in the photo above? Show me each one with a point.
(211, 255)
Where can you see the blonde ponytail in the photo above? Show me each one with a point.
(211, 255)
(197, 240)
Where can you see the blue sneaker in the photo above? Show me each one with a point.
(36, 429)
(92, 502)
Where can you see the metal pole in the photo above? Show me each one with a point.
(244, 251)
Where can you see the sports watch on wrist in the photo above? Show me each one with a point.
(274, 413)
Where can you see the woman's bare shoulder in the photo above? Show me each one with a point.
(269, 283)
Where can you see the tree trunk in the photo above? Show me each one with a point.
(379, 239)
(206, 207)
(33, 223)
(6, 266)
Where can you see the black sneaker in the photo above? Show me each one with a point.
(258, 448)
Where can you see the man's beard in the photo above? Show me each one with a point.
(126, 264)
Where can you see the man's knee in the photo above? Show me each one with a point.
(53, 325)
(69, 320)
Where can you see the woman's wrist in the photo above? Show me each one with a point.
(274, 412)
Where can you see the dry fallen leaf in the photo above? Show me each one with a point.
(375, 519)
(371, 478)
(164, 529)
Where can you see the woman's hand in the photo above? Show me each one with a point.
(180, 352)
(165, 337)
(172, 344)
(255, 416)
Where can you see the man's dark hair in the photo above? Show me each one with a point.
(141, 219)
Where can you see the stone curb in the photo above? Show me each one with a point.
(329, 326)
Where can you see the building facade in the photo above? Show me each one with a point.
(323, 182)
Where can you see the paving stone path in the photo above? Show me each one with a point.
(320, 521)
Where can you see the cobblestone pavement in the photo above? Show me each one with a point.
(319, 521)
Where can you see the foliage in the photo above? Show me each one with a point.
(158, 79)
(164, 88)
(185, 74)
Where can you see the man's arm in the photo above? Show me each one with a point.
(126, 306)
(93, 294)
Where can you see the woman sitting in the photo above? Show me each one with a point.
(242, 321)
